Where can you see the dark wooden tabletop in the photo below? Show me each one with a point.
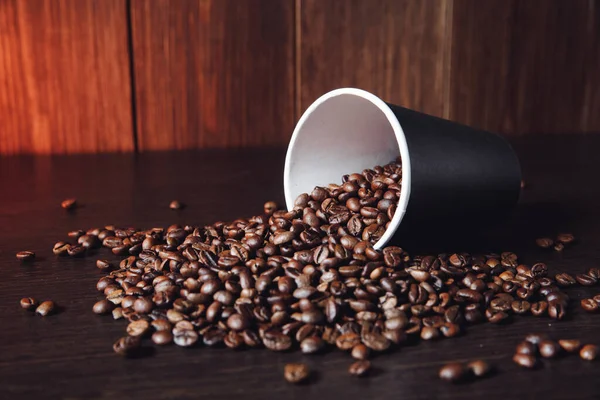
(69, 355)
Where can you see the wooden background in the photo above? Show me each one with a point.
(81, 76)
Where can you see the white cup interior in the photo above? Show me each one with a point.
(345, 131)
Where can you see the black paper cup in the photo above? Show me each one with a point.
(452, 174)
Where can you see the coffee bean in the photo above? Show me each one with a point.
(535, 338)
(525, 360)
(162, 337)
(176, 205)
(539, 308)
(117, 313)
(127, 346)
(45, 308)
(103, 307)
(558, 246)
(237, 322)
(312, 345)
(479, 368)
(69, 204)
(347, 341)
(556, 310)
(570, 345)
(565, 279)
(429, 333)
(548, 348)
(360, 368)
(453, 372)
(360, 352)
(187, 337)
(76, 251)
(25, 255)
(520, 306)
(589, 305)
(544, 243)
(277, 342)
(296, 373)
(143, 305)
(565, 238)
(526, 348)
(138, 328)
(28, 303)
(60, 248)
(588, 352)
(104, 265)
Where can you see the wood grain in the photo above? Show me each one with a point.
(213, 73)
(522, 67)
(69, 355)
(64, 77)
(393, 48)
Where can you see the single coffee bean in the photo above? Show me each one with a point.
(138, 328)
(347, 341)
(589, 305)
(548, 348)
(525, 360)
(103, 307)
(453, 372)
(588, 352)
(544, 243)
(570, 345)
(520, 306)
(187, 337)
(45, 308)
(127, 345)
(277, 342)
(360, 352)
(104, 265)
(28, 303)
(117, 313)
(565, 238)
(535, 338)
(565, 279)
(296, 373)
(143, 305)
(479, 368)
(69, 204)
(586, 280)
(60, 248)
(237, 322)
(311, 345)
(25, 255)
(76, 251)
(556, 310)
(527, 348)
(162, 337)
(176, 205)
(429, 333)
(360, 368)
(539, 308)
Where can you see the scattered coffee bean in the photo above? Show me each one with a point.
(565, 238)
(359, 368)
(45, 308)
(176, 205)
(360, 352)
(526, 348)
(479, 368)
(548, 348)
(29, 303)
(544, 243)
(570, 345)
(311, 345)
(138, 328)
(162, 337)
(296, 373)
(25, 255)
(589, 305)
(69, 204)
(127, 345)
(559, 246)
(60, 248)
(586, 280)
(525, 360)
(103, 307)
(453, 372)
(589, 352)
(104, 265)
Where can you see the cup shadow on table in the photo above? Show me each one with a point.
(516, 231)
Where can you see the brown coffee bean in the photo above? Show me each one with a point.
(588, 352)
(520, 306)
(544, 243)
(565, 279)
(237, 322)
(186, 337)
(360, 352)
(312, 345)
(103, 307)
(535, 338)
(565, 238)
(525, 360)
(25, 255)
(556, 309)
(162, 337)
(527, 348)
(104, 265)
(429, 333)
(589, 305)
(296, 373)
(28, 303)
(570, 345)
(176, 205)
(277, 342)
(539, 308)
(76, 251)
(548, 348)
(69, 204)
(143, 305)
(347, 341)
(479, 368)
(60, 248)
(45, 308)
(360, 368)
(127, 345)
(453, 372)
(138, 328)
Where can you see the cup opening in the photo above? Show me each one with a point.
(345, 131)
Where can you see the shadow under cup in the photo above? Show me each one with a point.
(454, 178)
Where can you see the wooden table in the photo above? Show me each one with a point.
(69, 355)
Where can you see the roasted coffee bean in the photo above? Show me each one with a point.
(539, 308)
(176, 205)
(311, 345)
(558, 246)
(556, 309)
(589, 305)
(565, 238)
(45, 308)
(76, 251)
(237, 322)
(449, 330)
(588, 352)
(138, 328)
(453, 372)
(360, 352)
(127, 346)
(162, 337)
(296, 373)
(565, 279)
(525, 360)
(103, 307)
(520, 306)
(570, 345)
(586, 280)
(360, 368)
(69, 204)
(535, 338)
(347, 341)
(544, 243)
(429, 333)
(25, 255)
(60, 248)
(185, 337)
(548, 348)
(479, 368)
(277, 342)
(527, 348)
(28, 303)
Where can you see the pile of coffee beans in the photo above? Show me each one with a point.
(308, 279)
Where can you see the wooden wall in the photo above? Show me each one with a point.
(124, 75)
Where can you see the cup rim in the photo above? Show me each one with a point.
(400, 139)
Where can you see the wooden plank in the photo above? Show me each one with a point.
(213, 73)
(64, 77)
(522, 67)
(393, 48)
